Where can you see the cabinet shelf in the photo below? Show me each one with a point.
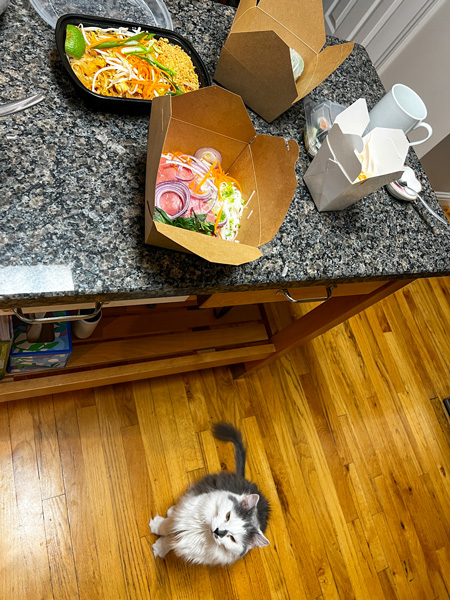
(133, 343)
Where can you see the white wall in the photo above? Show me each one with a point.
(423, 63)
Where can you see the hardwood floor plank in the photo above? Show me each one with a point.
(47, 449)
(158, 577)
(59, 548)
(101, 504)
(140, 485)
(196, 395)
(174, 459)
(279, 561)
(396, 577)
(365, 562)
(125, 405)
(307, 544)
(125, 526)
(36, 572)
(291, 488)
(209, 452)
(319, 381)
(80, 514)
(366, 519)
(13, 566)
(409, 551)
(187, 437)
(327, 437)
(443, 555)
(154, 454)
(323, 492)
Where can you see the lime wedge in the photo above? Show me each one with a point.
(75, 44)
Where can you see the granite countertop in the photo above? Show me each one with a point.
(72, 205)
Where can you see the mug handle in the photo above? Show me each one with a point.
(430, 132)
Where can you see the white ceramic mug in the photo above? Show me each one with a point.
(400, 108)
(85, 327)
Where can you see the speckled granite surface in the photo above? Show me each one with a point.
(73, 189)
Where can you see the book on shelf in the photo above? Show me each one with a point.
(6, 335)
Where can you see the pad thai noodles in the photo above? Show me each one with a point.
(132, 64)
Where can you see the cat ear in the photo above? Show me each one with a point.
(259, 540)
(248, 502)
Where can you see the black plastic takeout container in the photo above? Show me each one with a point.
(112, 103)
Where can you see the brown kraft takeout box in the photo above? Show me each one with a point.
(263, 165)
(255, 60)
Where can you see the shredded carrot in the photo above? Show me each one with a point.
(206, 176)
(216, 224)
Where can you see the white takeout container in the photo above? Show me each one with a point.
(332, 175)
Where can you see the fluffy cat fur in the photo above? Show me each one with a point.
(219, 519)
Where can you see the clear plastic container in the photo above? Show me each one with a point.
(319, 117)
(150, 12)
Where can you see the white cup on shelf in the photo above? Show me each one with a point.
(400, 108)
(84, 328)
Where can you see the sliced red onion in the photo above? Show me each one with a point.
(194, 168)
(179, 189)
(209, 200)
(211, 155)
(202, 195)
(202, 165)
(184, 173)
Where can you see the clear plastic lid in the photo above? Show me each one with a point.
(147, 12)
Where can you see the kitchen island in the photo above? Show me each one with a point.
(72, 227)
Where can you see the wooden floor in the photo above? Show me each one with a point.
(347, 437)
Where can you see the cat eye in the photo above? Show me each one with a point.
(227, 517)
(232, 538)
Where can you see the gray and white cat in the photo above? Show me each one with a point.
(219, 519)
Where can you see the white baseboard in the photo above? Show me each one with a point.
(443, 197)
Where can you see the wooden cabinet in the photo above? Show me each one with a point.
(139, 341)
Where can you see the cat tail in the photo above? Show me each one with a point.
(228, 433)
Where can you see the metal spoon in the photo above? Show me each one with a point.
(9, 108)
(405, 185)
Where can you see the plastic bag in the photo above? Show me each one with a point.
(319, 118)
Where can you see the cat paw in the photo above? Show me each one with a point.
(155, 524)
(160, 548)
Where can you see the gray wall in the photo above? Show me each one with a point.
(436, 164)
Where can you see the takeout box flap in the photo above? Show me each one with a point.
(342, 147)
(286, 18)
(355, 118)
(215, 109)
(265, 167)
(318, 68)
(257, 65)
(274, 164)
(210, 248)
(255, 59)
(268, 168)
(390, 146)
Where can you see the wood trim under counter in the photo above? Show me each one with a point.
(298, 293)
